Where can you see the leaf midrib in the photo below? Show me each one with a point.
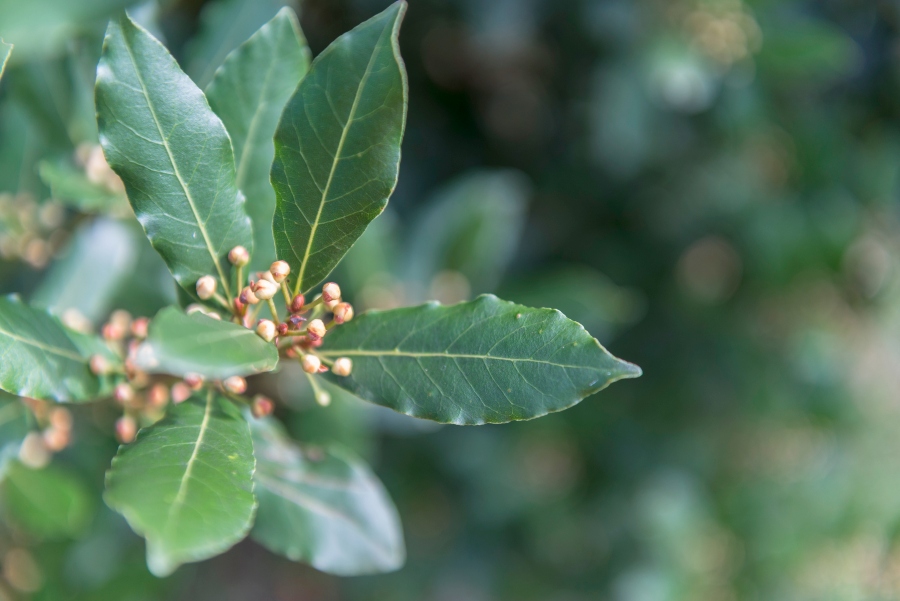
(165, 142)
(444, 355)
(251, 129)
(337, 159)
(50, 349)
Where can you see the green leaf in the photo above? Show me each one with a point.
(72, 187)
(48, 502)
(42, 359)
(249, 93)
(485, 361)
(180, 344)
(186, 484)
(5, 51)
(14, 425)
(173, 154)
(324, 507)
(471, 227)
(224, 25)
(337, 148)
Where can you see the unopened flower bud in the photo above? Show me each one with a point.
(239, 256)
(194, 381)
(195, 308)
(343, 312)
(235, 385)
(262, 406)
(279, 271)
(297, 303)
(33, 451)
(113, 332)
(330, 305)
(206, 287)
(266, 330)
(99, 365)
(139, 327)
(282, 328)
(126, 429)
(180, 392)
(61, 418)
(56, 439)
(342, 366)
(291, 352)
(330, 292)
(158, 396)
(323, 398)
(315, 329)
(123, 393)
(265, 275)
(121, 318)
(311, 364)
(264, 289)
(247, 296)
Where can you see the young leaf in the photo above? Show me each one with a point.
(180, 344)
(43, 360)
(224, 25)
(337, 148)
(49, 502)
(484, 361)
(13, 428)
(248, 93)
(5, 51)
(173, 154)
(186, 484)
(322, 507)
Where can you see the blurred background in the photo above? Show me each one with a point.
(709, 186)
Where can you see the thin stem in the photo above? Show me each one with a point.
(287, 294)
(226, 304)
(274, 311)
(240, 279)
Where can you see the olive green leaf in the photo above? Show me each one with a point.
(484, 361)
(180, 344)
(186, 484)
(337, 148)
(225, 25)
(324, 507)
(248, 93)
(72, 187)
(173, 154)
(5, 51)
(41, 359)
(49, 502)
(14, 425)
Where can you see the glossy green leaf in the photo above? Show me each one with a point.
(72, 187)
(248, 93)
(14, 425)
(42, 359)
(485, 361)
(5, 51)
(180, 344)
(48, 503)
(225, 25)
(472, 227)
(323, 507)
(337, 148)
(173, 154)
(186, 484)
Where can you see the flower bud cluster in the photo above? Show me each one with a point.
(54, 435)
(29, 230)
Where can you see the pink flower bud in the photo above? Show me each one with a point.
(239, 256)
(297, 303)
(266, 330)
(247, 296)
(158, 396)
(315, 329)
(139, 327)
(61, 418)
(56, 439)
(342, 366)
(99, 365)
(265, 275)
(330, 305)
(206, 287)
(282, 328)
(121, 318)
(311, 364)
(330, 292)
(262, 406)
(126, 429)
(265, 290)
(343, 312)
(194, 381)
(33, 451)
(113, 332)
(123, 393)
(279, 271)
(235, 385)
(180, 392)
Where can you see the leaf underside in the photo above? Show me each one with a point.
(323, 507)
(186, 483)
(484, 361)
(337, 148)
(173, 153)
